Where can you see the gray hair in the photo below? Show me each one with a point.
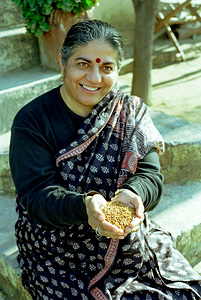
(92, 30)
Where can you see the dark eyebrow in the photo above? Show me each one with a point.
(109, 63)
(89, 61)
(83, 58)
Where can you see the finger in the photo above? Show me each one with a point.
(140, 210)
(135, 222)
(110, 230)
(106, 227)
(129, 230)
(109, 227)
(98, 216)
(95, 205)
(135, 228)
(112, 235)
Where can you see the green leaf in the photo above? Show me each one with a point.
(59, 5)
(35, 12)
(38, 32)
(40, 2)
(68, 2)
(46, 10)
(35, 8)
(32, 25)
(88, 2)
(76, 4)
(84, 6)
(32, 3)
(66, 8)
(45, 26)
(78, 12)
(38, 18)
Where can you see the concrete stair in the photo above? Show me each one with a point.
(22, 79)
(179, 213)
(20, 87)
(18, 49)
(10, 15)
(182, 159)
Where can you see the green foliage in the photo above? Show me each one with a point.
(36, 13)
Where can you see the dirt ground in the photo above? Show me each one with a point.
(176, 89)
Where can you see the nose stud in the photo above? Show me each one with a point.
(98, 60)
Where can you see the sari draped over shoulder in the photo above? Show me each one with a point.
(117, 133)
(75, 263)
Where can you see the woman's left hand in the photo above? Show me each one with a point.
(96, 218)
(131, 199)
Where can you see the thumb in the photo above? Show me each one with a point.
(97, 202)
(140, 210)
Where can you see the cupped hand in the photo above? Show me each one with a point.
(96, 218)
(131, 199)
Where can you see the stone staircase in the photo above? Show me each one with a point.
(21, 77)
(21, 80)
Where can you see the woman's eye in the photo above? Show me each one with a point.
(107, 68)
(83, 64)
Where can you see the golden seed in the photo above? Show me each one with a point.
(118, 214)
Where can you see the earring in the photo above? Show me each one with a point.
(62, 73)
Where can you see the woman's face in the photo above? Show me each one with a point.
(90, 73)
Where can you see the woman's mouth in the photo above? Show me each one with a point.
(88, 88)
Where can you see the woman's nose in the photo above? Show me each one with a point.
(94, 75)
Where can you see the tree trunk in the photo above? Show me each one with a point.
(144, 28)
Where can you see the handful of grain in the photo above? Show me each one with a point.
(118, 214)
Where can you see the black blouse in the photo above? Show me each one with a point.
(42, 128)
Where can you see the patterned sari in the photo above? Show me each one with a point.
(75, 263)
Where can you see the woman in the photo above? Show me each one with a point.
(72, 150)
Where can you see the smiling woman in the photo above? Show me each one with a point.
(90, 59)
(72, 150)
(85, 81)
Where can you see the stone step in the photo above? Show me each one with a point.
(6, 182)
(16, 90)
(178, 212)
(181, 161)
(182, 141)
(19, 49)
(20, 87)
(10, 14)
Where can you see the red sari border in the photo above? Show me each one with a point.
(98, 295)
(109, 258)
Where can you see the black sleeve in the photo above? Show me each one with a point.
(32, 162)
(147, 181)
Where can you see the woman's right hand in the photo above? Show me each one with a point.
(96, 218)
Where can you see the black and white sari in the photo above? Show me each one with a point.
(75, 263)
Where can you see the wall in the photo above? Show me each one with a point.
(119, 13)
(9, 15)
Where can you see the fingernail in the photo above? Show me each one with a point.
(100, 218)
